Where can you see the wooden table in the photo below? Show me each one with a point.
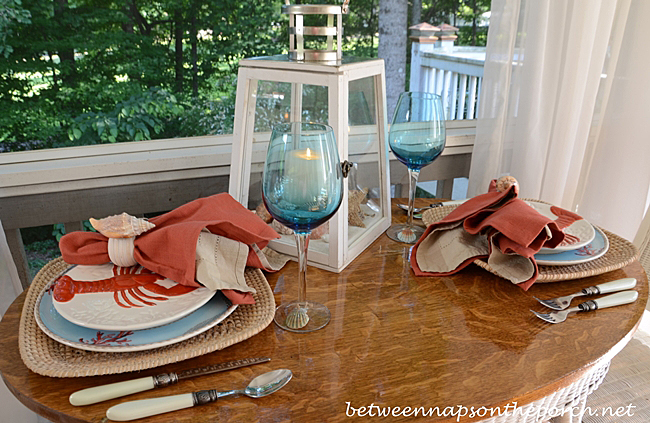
(394, 341)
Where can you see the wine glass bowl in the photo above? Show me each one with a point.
(417, 137)
(302, 188)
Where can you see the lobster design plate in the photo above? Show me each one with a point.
(578, 231)
(595, 249)
(61, 330)
(110, 297)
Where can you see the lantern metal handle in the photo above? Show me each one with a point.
(297, 31)
(346, 166)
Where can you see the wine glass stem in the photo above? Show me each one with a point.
(302, 242)
(413, 180)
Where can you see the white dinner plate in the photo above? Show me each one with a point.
(595, 249)
(110, 297)
(61, 330)
(577, 234)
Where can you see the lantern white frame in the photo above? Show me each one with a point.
(336, 76)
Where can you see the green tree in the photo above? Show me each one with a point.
(11, 13)
(70, 62)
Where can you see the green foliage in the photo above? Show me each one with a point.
(466, 36)
(37, 260)
(361, 26)
(58, 230)
(39, 253)
(422, 193)
(90, 71)
(137, 118)
(76, 72)
(11, 13)
(463, 14)
(41, 246)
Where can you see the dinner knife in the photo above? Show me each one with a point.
(119, 389)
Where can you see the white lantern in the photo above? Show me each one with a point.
(349, 95)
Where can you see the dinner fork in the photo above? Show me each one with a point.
(562, 303)
(617, 299)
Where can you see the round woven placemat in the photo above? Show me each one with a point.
(621, 252)
(47, 357)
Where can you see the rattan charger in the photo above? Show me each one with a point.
(621, 252)
(47, 357)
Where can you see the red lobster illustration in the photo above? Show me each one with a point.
(564, 219)
(125, 281)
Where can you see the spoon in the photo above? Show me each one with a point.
(405, 207)
(261, 386)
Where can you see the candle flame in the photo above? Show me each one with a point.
(307, 154)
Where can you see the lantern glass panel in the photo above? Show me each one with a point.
(348, 95)
(364, 181)
(276, 102)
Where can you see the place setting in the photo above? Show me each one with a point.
(141, 293)
(525, 242)
(585, 249)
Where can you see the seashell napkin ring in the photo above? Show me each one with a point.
(121, 230)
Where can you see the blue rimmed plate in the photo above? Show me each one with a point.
(595, 249)
(61, 330)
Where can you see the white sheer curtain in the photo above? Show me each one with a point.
(565, 106)
(12, 409)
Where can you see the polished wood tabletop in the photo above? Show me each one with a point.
(394, 341)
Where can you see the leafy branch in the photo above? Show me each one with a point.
(135, 119)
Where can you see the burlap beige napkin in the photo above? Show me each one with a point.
(496, 226)
(221, 262)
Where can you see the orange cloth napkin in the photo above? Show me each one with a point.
(497, 226)
(169, 249)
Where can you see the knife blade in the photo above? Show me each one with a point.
(119, 389)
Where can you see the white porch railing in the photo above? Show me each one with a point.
(72, 184)
(454, 73)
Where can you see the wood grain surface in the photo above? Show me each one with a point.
(394, 341)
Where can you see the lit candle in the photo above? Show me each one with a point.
(307, 173)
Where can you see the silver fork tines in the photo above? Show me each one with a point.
(559, 303)
(562, 303)
(620, 298)
(555, 317)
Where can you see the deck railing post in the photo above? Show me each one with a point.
(423, 41)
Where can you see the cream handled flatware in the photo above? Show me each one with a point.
(262, 385)
(620, 298)
(119, 389)
(405, 207)
(562, 303)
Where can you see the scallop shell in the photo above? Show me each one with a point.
(121, 226)
(407, 235)
(297, 319)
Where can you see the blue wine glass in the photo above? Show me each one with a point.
(302, 187)
(417, 138)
